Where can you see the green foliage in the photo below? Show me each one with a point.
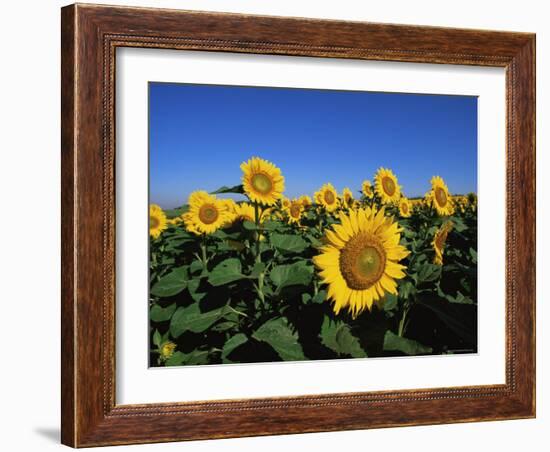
(250, 293)
(337, 336)
(172, 283)
(279, 335)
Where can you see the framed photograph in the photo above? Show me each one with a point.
(281, 225)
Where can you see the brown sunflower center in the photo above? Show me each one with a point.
(208, 213)
(329, 197)
(389, 185)
(405, 208)
(362, 261)
(441, 196)
(153, 222)
(262, 183)
(295, 210)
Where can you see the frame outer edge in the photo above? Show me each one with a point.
(86, 418)
(68, 242)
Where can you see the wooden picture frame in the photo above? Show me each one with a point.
(90, 36)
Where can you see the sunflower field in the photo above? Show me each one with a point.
(244, 274)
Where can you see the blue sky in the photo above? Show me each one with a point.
(200, 134)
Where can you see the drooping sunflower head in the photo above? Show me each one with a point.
(295, 211)
(405, 207)
(440, 198)
(367, 189)
(245, 212)
(360, 261)
(386, 186)
(173, 221)
(347, 197)
(157, 221)
(262, 181)
(189, 224)
(306, 201)
(440, 238)
(206, 213)
(327, 197)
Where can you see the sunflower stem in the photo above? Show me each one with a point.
(203, 252)
(257, 221)
(402, 322)
(261, 276)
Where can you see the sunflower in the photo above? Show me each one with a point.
(190, 226)
(306, 201)
(206, 213)
(386, 186)
(327, 197)
(173, 221)
(295, 211)
(347, 197)
(439, 240)
(167, 350)
(157, 221)
(285, 203)
(366, 188)
(262, 181)
(439, 197)
(360, 260)
(405, 207)
(244, 211)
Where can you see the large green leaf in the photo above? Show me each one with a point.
(298, 273)
(194, 358)
(337, 336)
(459, 317)
(235, 189)
(428, 273)
(192, 319)
(225, 272)
(159, 314)
(289, 243)
(232, 344)
(172, 283)
(278, 334)
(392, 342)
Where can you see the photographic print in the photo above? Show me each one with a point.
(290, 224)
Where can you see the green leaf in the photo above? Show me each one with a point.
(195, 266)
(428, 273)
(225, 272)
(277, 333)
(288, 243)
(193, 287)
(157, 338)
(194, 358)
(160, 314)
(459, 317)
(392, 342)
(406, 289)
(223, 326)
(192, 319)
(258, 268)
(235, 189)
(337, 336)
(473, 253)
(172, 283)
(298, 273)
(390, 302)
(231, 345)
(249, 225)
(320, 297)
